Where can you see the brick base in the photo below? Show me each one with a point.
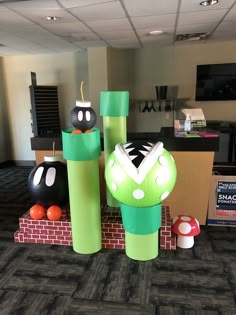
(58, 232)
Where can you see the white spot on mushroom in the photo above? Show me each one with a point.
(111, 163)
(165, 195)
(185, 218)
(185, 228)
(163, 160)
(114, 186)
(138, 194)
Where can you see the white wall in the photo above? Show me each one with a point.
(64, 70)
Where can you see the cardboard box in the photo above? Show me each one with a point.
(222, 201)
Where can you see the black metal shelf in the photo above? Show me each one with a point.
(44, 109)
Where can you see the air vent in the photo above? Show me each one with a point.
(190, 37)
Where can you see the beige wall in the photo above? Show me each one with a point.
(175, 67)
(136, 70)
(64, 70)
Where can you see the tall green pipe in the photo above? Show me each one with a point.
(114, 107)
(82, 152)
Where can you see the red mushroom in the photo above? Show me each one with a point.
(186, 227)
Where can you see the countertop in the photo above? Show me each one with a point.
(166, 135)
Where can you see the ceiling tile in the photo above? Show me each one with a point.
(84, 37)
(79, 3)
(12, 18)
(67, 28)
(200, 17)
(195, 28)
(231, 16)
(38, 16)
(194, 5)
(110, 25)
(227, 27)
(122, 34)
(109, 10)
(33, 5)
(150, 7)
(146, 31)
(153, 21)
(118, 43)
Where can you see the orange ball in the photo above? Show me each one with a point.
(76, 131)
(88, 131)
(54, 213)
(37, 212)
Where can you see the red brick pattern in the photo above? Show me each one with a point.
(167, 238)
(113, 233)
(59, 232)
(44, 231)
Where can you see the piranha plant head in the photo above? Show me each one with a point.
(140, 174)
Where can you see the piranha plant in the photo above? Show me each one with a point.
(140, 175)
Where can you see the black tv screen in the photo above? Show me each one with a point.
(216, 82)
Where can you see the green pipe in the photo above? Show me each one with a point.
(114, 107)
(82, 152)
(141, 247)
(85, 205)
(141, 230)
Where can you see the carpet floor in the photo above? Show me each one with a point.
(50, 279)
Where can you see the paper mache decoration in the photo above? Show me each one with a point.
(82, 149)
(48, 186)
(185, 227)
(141, 175)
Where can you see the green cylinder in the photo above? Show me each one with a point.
(141, 247)
(84, 194)
(114, 107)
(141, 230)
(82, 152)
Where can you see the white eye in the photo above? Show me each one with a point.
(38, 175)
(50, 176)
(88, 115)
(80, 115)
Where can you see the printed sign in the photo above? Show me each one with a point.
(226, 198)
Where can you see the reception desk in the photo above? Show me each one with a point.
(194, 161)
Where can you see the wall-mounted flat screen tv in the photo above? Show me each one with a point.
(216, 82)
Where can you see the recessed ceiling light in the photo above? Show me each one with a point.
(157, 32)
(51, 18)
(208, 2)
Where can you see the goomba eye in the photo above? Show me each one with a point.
(80, 115)
(50, 176)
(88, 115)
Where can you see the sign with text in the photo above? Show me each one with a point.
(226, 198)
